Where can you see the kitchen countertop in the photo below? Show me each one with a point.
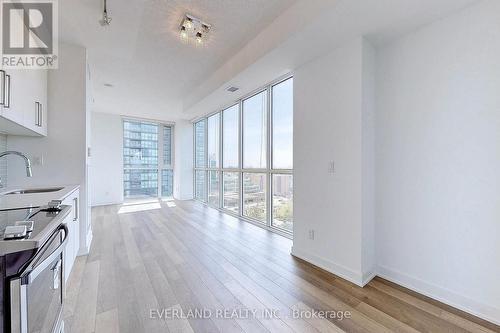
(17, 201)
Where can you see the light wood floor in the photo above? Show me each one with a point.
(188, 256)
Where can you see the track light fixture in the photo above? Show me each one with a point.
(106, 19)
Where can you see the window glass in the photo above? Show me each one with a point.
(230, 133)
(213, 141)
(231, 191)
(140, 182)
(200, 130)
(140, 159)
(200, 185)
(254, 132)
(283, 202)
(140, 144)
(167, 145)
(213, 189)
(254, 196)
(282, 111)
(167, 182)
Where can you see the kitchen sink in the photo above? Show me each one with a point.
(35, 190)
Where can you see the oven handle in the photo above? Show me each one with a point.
(32, 272)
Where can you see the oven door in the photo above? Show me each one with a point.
(36, 296)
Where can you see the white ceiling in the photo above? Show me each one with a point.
(253, 41)
(282, 49)
(141, 55)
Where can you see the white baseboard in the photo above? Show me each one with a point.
(483, 311)
(368, 277)
(106, 204)
(187, 198)
(83, 251)
(339, 270)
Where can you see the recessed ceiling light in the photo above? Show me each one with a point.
(232, 89)
(108, 85)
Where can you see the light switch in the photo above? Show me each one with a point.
(311, 234)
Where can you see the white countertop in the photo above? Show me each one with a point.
(15, 201)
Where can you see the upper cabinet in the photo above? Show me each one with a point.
(23, 95)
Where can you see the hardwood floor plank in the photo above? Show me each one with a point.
(73, 288)
(430, 308)
(449, 312)
(85, 310)
(358, 317)
(107, 322)
(217, 286)
(107, 294)
(188, 256)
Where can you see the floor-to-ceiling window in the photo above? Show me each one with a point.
(244, 157)
(282, 154)
(147, 159)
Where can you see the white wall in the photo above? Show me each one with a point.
(183, 168)
(64, 149)
(106, 171)
(328, 113)
(369, 260)
(438, 160)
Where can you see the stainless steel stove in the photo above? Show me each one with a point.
(31, 268)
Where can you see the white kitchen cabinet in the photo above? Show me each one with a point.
(73, 224)
(32, 99)
(25, 109)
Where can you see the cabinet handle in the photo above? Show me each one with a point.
(37, 113)
(6, 103)
(2, 87)
(40, 117)
(75, 203)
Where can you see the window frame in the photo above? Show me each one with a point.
(269, 171)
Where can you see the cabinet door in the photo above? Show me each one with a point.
(40, 97)
(1, 63)
(30, 96)
(69, 249)
(73, 225)
(27, 90)
(75, 199)
(15, 101)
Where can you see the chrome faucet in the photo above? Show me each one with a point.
(27, 161)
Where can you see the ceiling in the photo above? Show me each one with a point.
(282, 47)
(156, 76)
(140, 53)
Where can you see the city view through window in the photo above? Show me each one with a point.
(244, 157)
(147, 169)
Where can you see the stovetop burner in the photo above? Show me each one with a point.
(46, 220)
(40, 218)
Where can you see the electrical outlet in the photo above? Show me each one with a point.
(331, 167)
(37, 160)
(311, 234)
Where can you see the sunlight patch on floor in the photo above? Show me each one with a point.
(169, 202)
(139, 206)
